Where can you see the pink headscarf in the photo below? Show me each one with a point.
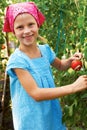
(16, 9)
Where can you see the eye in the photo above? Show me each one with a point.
(31, 24)
(20, 27)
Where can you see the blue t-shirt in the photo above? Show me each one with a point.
(29, 114)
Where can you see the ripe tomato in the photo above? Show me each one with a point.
(3, 46)
(76, 65)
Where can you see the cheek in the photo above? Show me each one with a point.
(36, 31)
(17, 34)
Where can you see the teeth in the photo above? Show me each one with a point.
(28, 36)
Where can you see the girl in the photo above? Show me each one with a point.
(35, 104)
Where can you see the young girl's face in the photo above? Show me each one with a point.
(26, 29)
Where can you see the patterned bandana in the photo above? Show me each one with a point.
(15, 9)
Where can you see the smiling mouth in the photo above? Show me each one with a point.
(28, 37)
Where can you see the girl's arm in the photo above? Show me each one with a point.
(61, 64)
(65, 63)
(39, 94)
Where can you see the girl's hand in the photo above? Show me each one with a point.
(80, 84)
(76, 56)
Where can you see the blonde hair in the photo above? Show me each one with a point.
(42, 39)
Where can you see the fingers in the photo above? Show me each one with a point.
(85, 79)
(84, 76)
(77, 68)
(80, 84)
(78, 55)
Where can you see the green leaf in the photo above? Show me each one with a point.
(80, 21)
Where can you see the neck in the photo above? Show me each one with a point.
(28, 49)
(31, 51)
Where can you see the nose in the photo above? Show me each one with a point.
(27, 30)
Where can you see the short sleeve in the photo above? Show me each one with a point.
(50, 53)
(15, 61)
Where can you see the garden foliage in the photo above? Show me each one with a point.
(65, 29)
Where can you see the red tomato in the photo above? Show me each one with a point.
(3, 46)
(76, 65)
